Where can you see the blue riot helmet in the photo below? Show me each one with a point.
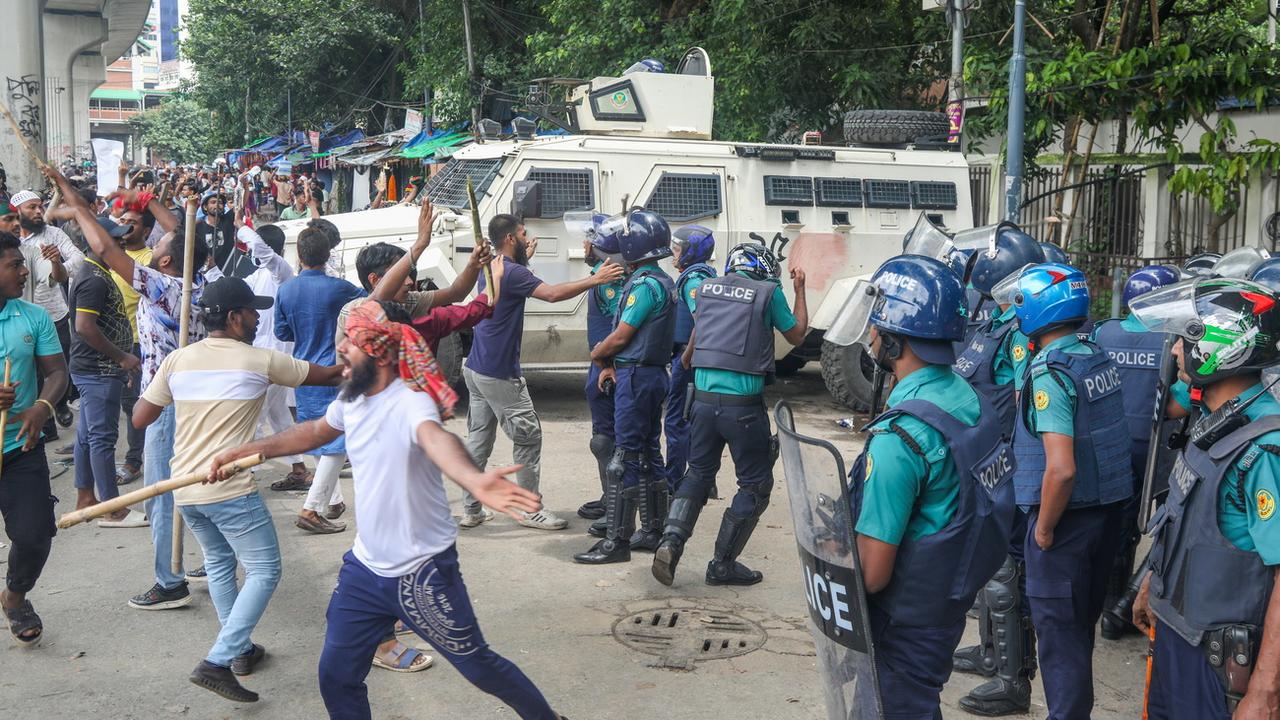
(1014, 250)
(1268, 273)
(642, 235)
(1201, 265)
(1050, 295)
(1054, 254)
(754, 259)
(647, 65)
(696, 244)
(929, 240)
(1240, 263)
(586, 227)
(1146, 279)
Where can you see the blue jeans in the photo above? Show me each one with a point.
(96, 433)
(231, 531)
(433, 602)
(155, 467)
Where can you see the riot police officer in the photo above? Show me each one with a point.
(1054, 254)
(1137, 354)
(691, 249)
(1211, 592)
(932, 493)
(1073, 478)
(634, 356)
(732, 353)
(993, 361)
(602, 305)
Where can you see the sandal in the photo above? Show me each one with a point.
(402, 629)
(293, 481)
(403, 659)
(23, 619)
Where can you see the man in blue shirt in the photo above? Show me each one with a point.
(499, 395)
(29, 344)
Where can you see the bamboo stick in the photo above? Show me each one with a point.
(184, 324)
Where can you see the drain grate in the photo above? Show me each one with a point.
(682, 636)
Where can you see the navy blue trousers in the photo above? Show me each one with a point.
(912, 665)
(600, 405)
(637, 418)
(433, 602)
(676, 427)
(1183, 684)
(745, 429)
(1067, 587)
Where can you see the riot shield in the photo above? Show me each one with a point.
(831, 572)
(1155, 480)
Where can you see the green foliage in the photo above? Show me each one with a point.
(178, 129)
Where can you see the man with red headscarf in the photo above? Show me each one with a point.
(404, 565)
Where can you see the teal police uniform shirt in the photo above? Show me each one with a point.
(1053, 400)
(690, 290)
(26, 332)
(610, 294)
(908, 495)
(1247, 497)
(1010, 362)
(645, 300)
(731, 382)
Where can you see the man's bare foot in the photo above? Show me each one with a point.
(117, 515)
(85, 498)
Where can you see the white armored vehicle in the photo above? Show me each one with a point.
(835, 212)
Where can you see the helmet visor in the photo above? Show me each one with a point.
(928, 240)
(1007, 289)
(1171, 309)
(1240, 263)
(853, 322)
(579, 226)
(979, 238)
(616, 225)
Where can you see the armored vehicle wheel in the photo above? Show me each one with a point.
(848, 373)
(893, 127)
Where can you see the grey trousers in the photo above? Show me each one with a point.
(505, 402)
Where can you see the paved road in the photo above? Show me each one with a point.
(102, 659)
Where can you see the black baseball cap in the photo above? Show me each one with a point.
(230, 293)
(113, 228)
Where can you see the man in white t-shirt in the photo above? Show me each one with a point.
(404, 565)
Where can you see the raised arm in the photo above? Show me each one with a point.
(296, 440)
(491, 488)
(103, 245)
(457, 291)
(393, 279)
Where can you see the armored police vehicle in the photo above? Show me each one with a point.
(644, 139)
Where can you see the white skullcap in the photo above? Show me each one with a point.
(22, 196)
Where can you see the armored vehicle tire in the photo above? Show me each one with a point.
(848, 373)
(450, 357)
(893, 127)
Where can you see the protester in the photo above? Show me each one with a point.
(298, 210)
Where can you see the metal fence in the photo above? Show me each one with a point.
(1191, 222)
(980, 193)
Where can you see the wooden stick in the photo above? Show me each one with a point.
(146, 493)
(184, 324)
(4, 416)
(478, 235)
(18, 131)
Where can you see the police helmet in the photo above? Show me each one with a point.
(696, 245)
(605, 245)
(1201, 264)
(1146, 279)
(647, 65)
(921, 299)
(1228, 326)
(643, 235)
(753, 259)
(1050, 295)
(1015, 250)
(1268, 273)
(1054, 254)
(1240, 263)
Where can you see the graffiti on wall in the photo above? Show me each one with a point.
(24, 99)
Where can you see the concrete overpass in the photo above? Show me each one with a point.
(53, 54)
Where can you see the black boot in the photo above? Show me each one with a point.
(598, 528)
(1117, 619)
(653, 511)
(972, 660)
(680, 521)
(602, 448)
(998, 696)
(620, 511)
(724, 568)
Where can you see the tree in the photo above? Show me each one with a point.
(178, 130)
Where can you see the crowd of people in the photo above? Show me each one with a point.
(1012, 457)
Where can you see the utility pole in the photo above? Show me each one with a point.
(246, 114)
(1273, 9)
(955, 88)
(471, 69)
(1017, 113)
(289, 115)
(426, 89)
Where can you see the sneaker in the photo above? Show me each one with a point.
(243, 664)
(543, 520)
(63, 416)
(470, 520)
(158, 598)
(197, 575)
(222, 681)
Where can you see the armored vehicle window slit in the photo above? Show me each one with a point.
(838, 192)
(788, 190)
(887, 193)
(563, 190)
(448, 188)
(683, 197)
(933, 195)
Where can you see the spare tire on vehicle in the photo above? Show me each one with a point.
(893, 127)
(849, 373)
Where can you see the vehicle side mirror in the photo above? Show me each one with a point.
(526, 200)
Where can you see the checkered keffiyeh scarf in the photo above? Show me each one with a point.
(369, 328)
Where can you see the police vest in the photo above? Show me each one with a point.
(1103, 471)
(684, 318)
(599, 321)
(734, 332)
(1199, 579)
(936, 577)
(977, 364)
(1137, 357)
(651, 345)
(980, 312)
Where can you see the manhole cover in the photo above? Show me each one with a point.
(682, 636)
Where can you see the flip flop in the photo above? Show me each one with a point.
(405, 659)
(24, 619)
(292, 481)
(134, 519)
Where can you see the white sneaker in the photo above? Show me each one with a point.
(543, 520)
(470, 520)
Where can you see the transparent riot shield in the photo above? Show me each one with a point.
(830, 571)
